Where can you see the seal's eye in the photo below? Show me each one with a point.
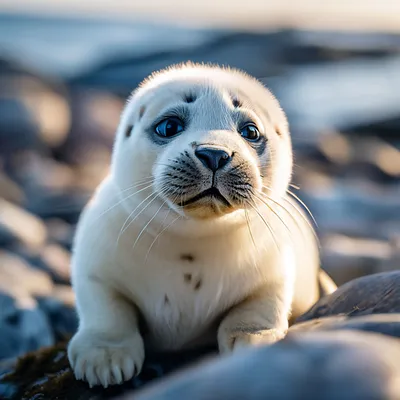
(250, 133)
(169, 127)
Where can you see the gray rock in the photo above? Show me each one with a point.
(323, 365)
(60, 232)
(18, 129)
(23, 326)
(22, 329)
(347, 258)
(372, 294)
(60, 312)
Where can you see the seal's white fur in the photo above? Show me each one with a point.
(196, 273)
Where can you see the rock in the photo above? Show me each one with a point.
(52, 259)
(347, 258)
(7, 239)
(9, 190)
(7, 365)
(66, 206)
(354, 210)
(22, 329)
(24, 226)
(18, 129)
(60, 232)
(48, 103)
(65, 294)
(372, 294)
(317, 365)
(19, 280)
(387, 324)
(40, 174)
(23, 326)
(60, 312)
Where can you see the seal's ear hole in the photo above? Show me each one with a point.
(141, 111)
(128, 130)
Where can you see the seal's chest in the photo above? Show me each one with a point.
(179, 304)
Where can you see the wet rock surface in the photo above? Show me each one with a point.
(55, 148)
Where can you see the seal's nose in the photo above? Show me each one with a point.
(213, 158)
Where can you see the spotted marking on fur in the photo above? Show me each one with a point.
(197, 286)
(187, 257)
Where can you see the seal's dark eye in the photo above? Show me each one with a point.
(169, 127)
(250, 133)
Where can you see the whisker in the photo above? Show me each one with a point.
(125, 225)
(148, 223)
(282, 206)
(266, 224)
(303, 204)
(276, 214)
(248, 226)
(159, 234)
(298, 212)
(122, 200)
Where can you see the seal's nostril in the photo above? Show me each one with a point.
(213, 158)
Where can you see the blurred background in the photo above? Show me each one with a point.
(67, 67)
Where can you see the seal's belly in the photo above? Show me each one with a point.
(181, 307)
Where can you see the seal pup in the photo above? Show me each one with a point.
(193, 231)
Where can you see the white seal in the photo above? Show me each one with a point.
(193, 230)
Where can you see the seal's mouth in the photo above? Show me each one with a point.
(211, 193)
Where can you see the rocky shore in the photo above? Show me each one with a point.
(54, 149)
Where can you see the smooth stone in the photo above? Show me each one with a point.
(315, 365)
(371, 294)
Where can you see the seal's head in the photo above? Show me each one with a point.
(210, 139)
